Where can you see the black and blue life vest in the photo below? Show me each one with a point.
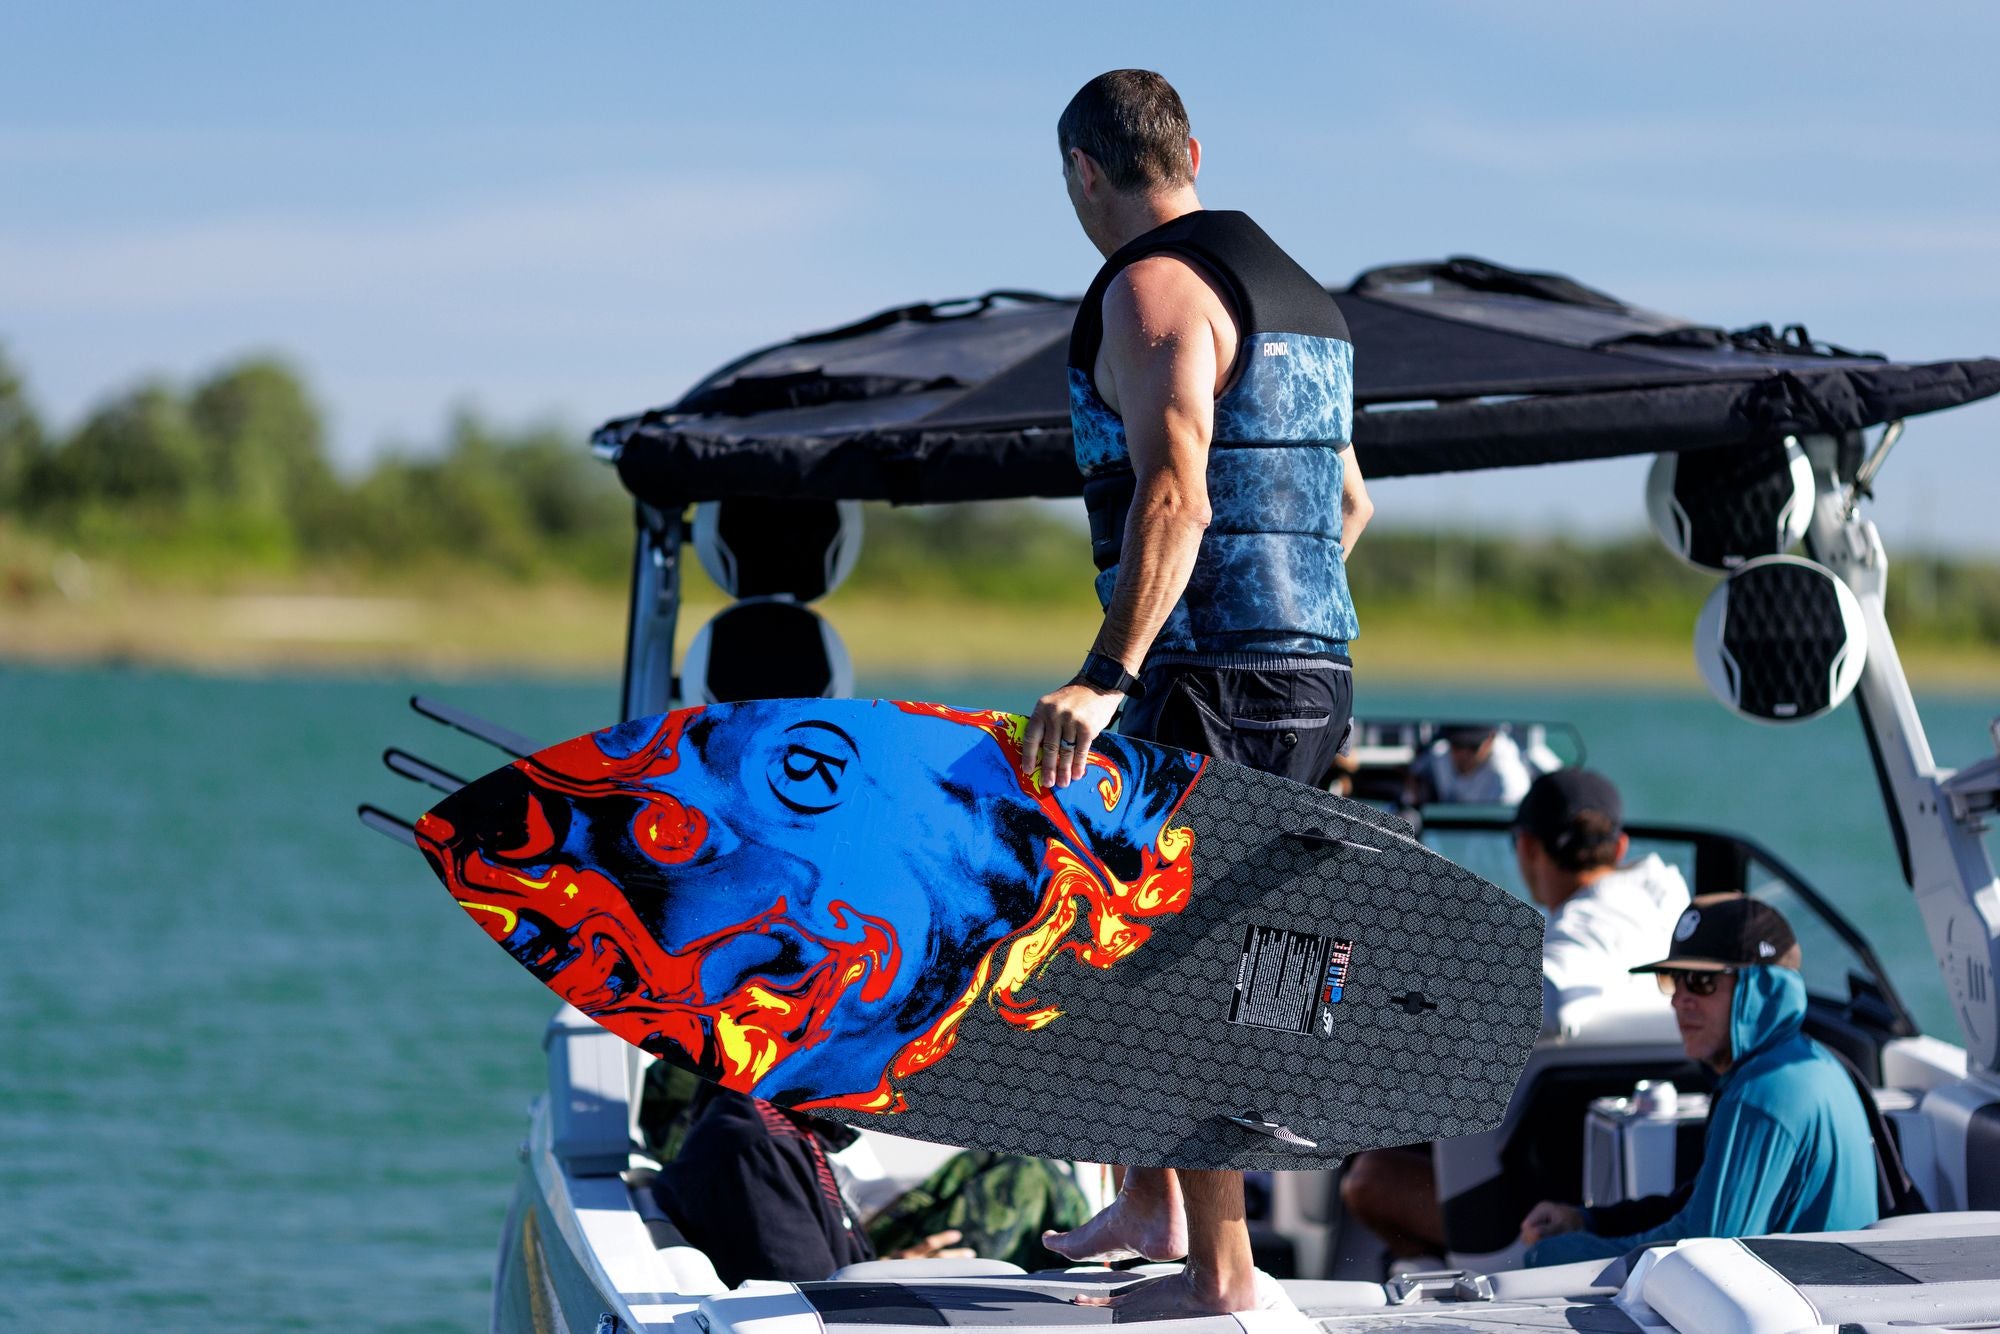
(1269, 577)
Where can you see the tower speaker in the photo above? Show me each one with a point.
(765, 648)
(1717, 508)
(1781, 640)
(800, 549)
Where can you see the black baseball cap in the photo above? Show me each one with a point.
(1555, 803)
(1728, 931)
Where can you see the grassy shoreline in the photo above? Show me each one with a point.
(566, 630)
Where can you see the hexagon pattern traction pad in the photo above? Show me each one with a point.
(859, 908)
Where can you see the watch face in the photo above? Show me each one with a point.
(1103, 672)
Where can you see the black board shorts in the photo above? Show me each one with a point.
(1287, 717)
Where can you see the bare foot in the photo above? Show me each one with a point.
(1146, 1221)
(1189, 1293)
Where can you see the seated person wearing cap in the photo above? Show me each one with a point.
(1604, 915)
(1474, 764)
(1787, 1147)
(1569, 842)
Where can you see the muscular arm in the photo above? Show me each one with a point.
(1159, 370)
(1167, 339)
(1356, 509)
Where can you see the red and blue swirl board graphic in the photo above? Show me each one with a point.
(804, 904)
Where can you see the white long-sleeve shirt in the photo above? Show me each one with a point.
(1620, 920)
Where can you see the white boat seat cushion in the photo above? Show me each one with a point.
(1772, 1285)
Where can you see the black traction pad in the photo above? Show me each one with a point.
(993, 1304)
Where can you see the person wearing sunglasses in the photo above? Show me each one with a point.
(1787, 1147)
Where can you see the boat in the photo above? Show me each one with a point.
(1465, 365)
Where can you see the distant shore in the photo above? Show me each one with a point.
(568, 630)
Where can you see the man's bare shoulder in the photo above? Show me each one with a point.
(1163, 295)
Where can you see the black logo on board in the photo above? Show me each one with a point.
(809, 772)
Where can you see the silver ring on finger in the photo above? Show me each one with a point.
(1067, 744)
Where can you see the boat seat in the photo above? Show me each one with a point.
(1318, 1295)
(1976, 1221)
(1584, 1278)
(1926, 1272)
(691, 1269)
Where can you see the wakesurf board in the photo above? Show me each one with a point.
(863, 910)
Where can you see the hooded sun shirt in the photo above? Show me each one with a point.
(1787, 1147)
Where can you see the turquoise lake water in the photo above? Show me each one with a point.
(260, 1071)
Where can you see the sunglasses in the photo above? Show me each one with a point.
(1697, 982)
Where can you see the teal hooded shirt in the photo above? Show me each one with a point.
(1787, 1147)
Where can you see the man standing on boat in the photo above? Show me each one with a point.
(1211, 399)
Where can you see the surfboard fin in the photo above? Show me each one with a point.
(1314, 838)
(493, 734)
(1277, 1130)
(388, 825)
(406, 765)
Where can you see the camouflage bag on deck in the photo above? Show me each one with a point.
(1001, 1203)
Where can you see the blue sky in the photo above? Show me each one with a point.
(572, 211)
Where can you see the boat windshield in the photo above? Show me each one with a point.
(1839, 967)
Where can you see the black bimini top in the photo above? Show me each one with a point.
(1459, 365)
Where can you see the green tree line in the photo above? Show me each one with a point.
(230, 475)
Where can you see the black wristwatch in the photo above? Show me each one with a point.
(1107, 673)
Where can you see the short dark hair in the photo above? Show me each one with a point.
(1132, 123)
